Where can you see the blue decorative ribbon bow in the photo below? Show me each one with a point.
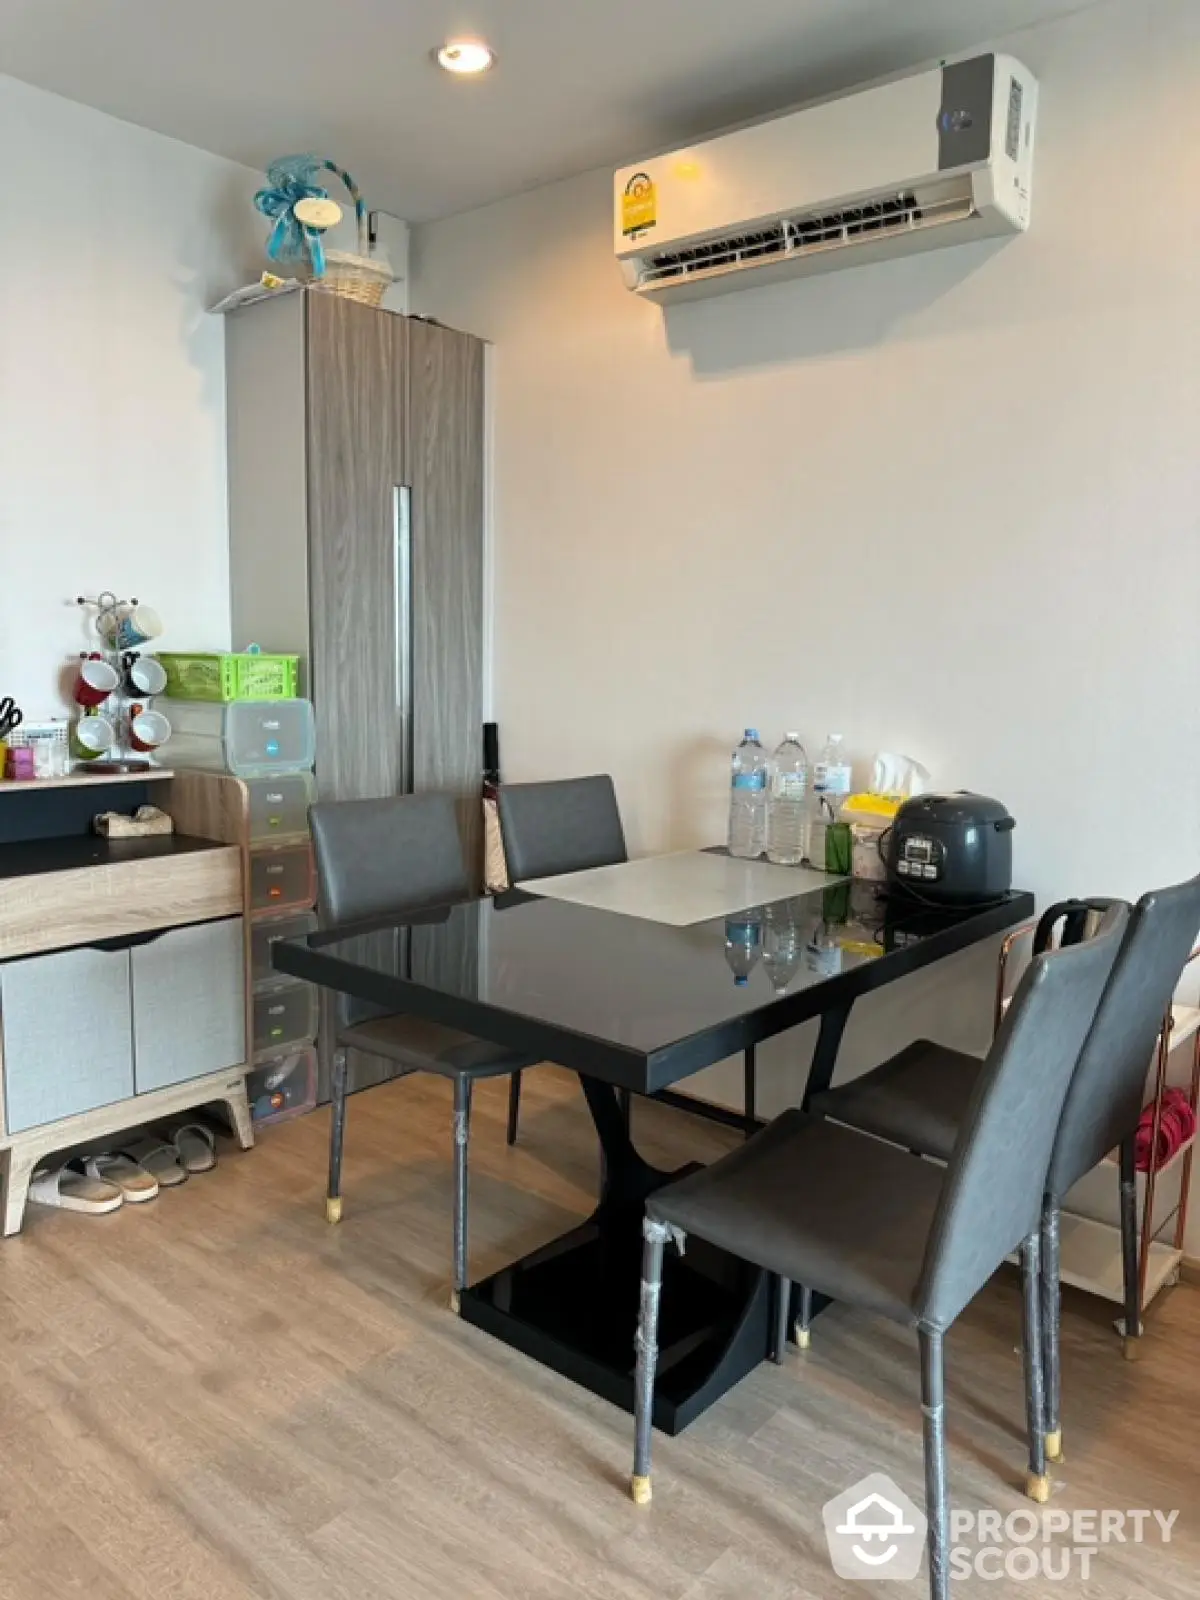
(290, 180)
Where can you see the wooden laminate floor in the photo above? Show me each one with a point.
(217, 1395)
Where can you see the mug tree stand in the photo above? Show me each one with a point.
(123, 705)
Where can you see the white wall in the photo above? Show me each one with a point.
(948, 505)
(112, 383)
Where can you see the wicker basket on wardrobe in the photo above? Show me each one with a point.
(359, 275)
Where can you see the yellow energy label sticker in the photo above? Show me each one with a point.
(639, 204)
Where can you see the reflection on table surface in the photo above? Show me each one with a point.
(633, 982)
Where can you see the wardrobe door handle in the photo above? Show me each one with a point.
(402, 620)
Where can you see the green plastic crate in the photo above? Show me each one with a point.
(225, 675)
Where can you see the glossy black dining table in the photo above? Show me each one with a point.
(634, 1004)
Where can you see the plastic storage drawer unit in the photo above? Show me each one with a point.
(285, 1086)
(284, 1014)
(268, 932)
(250, 738)
(282, 880)
(278, 807)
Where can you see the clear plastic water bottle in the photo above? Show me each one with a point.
(743, 944)
(831, 781)
(748, 798)
(782, 944)
(787, 803)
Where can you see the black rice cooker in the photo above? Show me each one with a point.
(951, 849)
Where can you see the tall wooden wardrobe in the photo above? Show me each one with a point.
(356, 467)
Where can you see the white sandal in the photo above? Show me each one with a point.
(194, 1145)
(160, 1160)
(70, 1188)
(135, 1183)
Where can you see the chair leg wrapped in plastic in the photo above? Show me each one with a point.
(462, 1134)
(1051, 1319)
(1037, 1484)
(933, 1409)
(655, 1235)
(1129, 1249)
(337, 1134)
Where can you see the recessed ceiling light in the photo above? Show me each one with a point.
(465, 56)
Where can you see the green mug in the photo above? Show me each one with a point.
(92, 737)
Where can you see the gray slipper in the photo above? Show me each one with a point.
(195, 1147)
(160, 1160)
(70, 1188)
(130, 1177)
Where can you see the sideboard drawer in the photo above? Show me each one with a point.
(52, 910)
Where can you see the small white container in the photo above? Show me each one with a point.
(50, 743)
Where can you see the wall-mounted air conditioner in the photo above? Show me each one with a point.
(936, 158)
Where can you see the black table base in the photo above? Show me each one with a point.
(573, 1305)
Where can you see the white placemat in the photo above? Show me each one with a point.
(692, 886)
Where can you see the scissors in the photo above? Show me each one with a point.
(11, 716)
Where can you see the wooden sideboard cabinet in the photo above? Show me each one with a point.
(122, 971)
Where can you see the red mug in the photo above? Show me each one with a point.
(96, 681)
(149, 730)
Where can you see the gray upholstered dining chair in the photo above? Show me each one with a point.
(863, 1222)
(565, 825)
(569, 825)
(919, 1098)
(401, 855)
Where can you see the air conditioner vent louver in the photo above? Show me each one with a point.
(797, 236)
(876, 215)
(772, 241)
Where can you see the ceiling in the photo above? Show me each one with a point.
(577, 84)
